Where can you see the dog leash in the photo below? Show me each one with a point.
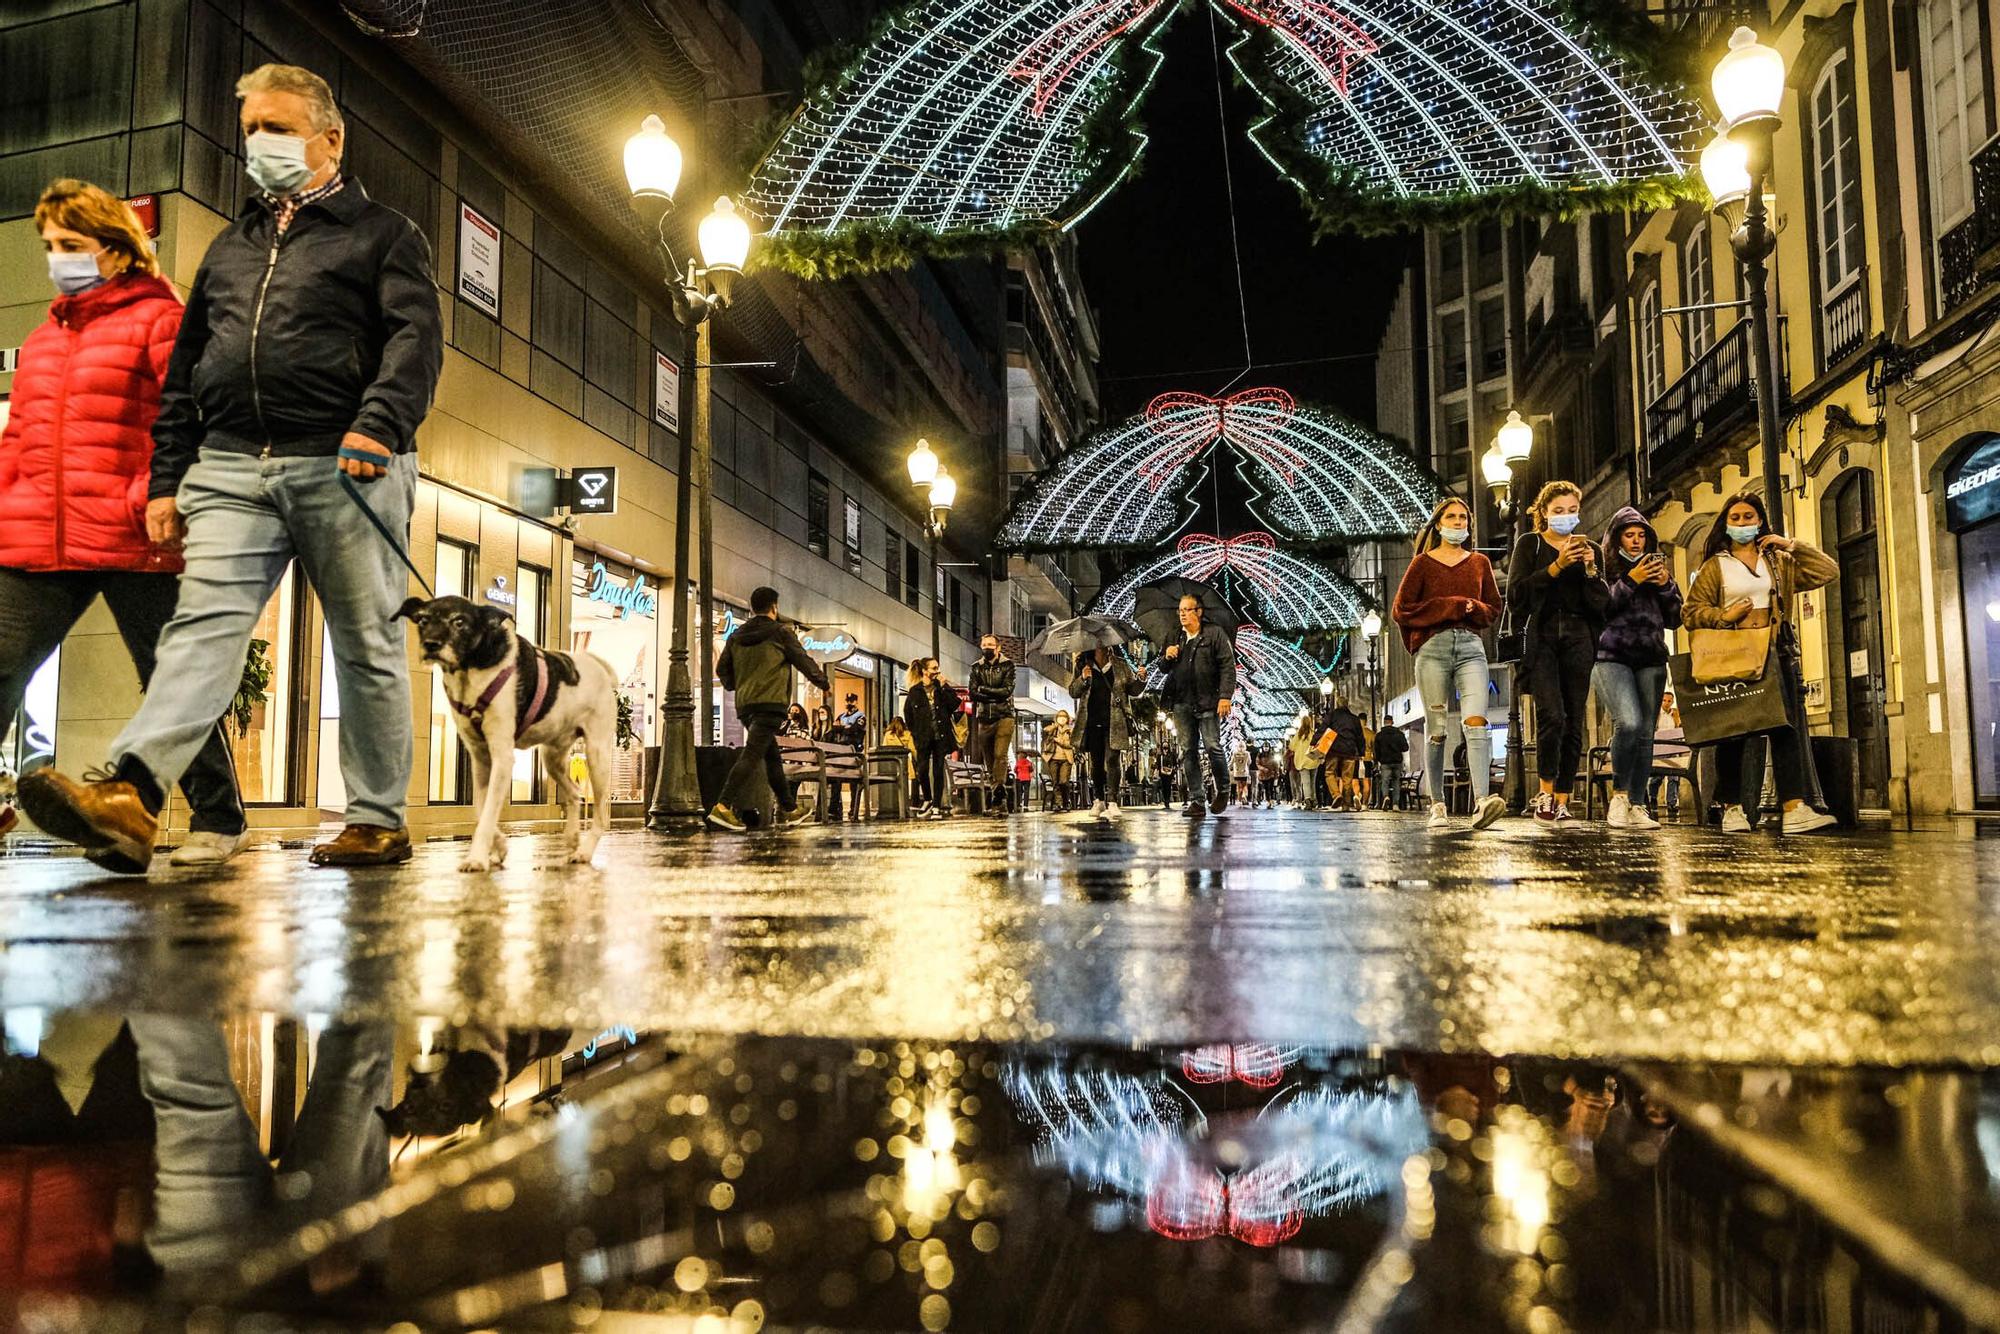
(354, 494)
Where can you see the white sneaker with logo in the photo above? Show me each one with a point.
(1734, 821)
(1803, 819)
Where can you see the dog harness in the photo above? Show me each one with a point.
(538, 703)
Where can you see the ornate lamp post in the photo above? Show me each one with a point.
(1749, 87)
(941, 490)
(1513, 446)
(653, 165)
(1371, 634)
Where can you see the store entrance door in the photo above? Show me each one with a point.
(1861, 634)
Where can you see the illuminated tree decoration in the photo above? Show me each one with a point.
(968, 124)
(1285, 592)
(1317, 477)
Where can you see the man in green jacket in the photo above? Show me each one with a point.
(757, 665)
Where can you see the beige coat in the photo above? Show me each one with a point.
(1805, 568)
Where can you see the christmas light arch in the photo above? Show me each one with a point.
(1317, 477)
(967, 123)
(1285, 592)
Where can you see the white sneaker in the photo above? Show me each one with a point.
(1440, 817)
(1638, 817)
(1112, 810)
(1619, 813)
(1734, 821)
(1803, 819)
(1490, 808)
(1097, 809)
(207, 849)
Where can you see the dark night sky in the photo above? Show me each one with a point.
(1158, 266)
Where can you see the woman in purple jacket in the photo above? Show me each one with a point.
(1631, 670)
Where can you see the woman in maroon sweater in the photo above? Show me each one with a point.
(1447, 597)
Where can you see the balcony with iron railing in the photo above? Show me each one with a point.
(1714, 396)
(1969, 254)
(1844, 321)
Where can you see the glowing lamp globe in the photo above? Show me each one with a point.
(1725, 169)
(1516, 439)
(923, 464)
(1493, 466)
(652, 167)
(1749, 82)
(1371, 623)
(944, 490)
(1325, 686)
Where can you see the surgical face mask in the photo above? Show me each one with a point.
(1744, 534)
(1562, 525)
(1632, 557)
(277, 162)
(73, 272)
(1455, 536)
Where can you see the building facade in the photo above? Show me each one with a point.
(561, 354)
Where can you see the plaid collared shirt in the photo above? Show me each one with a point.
(285, 207)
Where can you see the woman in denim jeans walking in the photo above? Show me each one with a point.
(1447, 597)
(1631, 671)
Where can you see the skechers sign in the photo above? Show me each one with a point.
(633, 599)
(1972, 485)
(593, 491)
(836, 649)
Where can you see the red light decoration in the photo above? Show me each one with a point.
(1259, 1064)
(1325, 37)
(1252, 420)
(1072, 40)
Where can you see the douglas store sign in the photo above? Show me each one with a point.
(633, 599)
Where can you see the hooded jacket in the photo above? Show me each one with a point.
(757, 664)
(78, 450)
(1636, 616)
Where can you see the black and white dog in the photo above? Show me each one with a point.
(506, 694)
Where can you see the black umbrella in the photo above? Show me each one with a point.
(1159, 605)
(1053, 651)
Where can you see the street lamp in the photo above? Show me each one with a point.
(1499, 475)
(653, 165)
(1749, 87)
(1513, 445)
(1515, 439)
(941, 490)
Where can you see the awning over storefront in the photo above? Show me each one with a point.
(1038, 696)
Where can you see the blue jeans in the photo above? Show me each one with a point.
(1454, 662)
(247, 519)
(1201, 731)
(1632, 696)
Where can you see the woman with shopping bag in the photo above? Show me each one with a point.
(1744, 654)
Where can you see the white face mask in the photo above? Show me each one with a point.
(276, 162)
(73, 272)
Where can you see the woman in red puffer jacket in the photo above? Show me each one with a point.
(74, 463)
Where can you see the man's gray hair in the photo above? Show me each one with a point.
(294, 79)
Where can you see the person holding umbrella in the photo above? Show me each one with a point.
(1102, 685)
(1201, 681)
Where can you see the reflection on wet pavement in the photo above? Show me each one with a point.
(264, 1171)
(1263, 925)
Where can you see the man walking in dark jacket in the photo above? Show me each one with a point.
(992, 688)
(757, 665)
(305, 363)
(1392, 749)
(1201, 683)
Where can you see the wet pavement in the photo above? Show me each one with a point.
(1271, 1072)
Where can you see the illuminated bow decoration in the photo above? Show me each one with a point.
(1259, 1064)
(1323, 35)
(1248, 554)
(1056, 54)
(1253, 420)
(1191, 1201)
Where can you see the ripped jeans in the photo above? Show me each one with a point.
(1453, 662)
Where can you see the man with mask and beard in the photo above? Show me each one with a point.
(992, 688)
(1201, 682)
(306, 360)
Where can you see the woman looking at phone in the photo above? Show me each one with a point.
(1750, 578)
(1631, 673)
(1559, 598)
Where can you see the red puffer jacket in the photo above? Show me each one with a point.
(78, 450)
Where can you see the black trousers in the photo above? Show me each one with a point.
(760, 751)
(932, 766)
(1788, 761)
(38, 609)
(1558, 672)
(1097, 749)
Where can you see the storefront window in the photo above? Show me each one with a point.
(614, 613)
(1979, 570)
(263, 748)
(451, 780)
(530, 609)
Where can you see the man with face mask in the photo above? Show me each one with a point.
(307, 358)
(992, 687)
(1201, 683)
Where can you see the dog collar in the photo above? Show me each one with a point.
(538, 703)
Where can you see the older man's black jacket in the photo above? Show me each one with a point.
(291, 341)
(1204, 673)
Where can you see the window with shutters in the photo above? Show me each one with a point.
(1698, 289)
(1955, 103)
(1836, 145)
(1652, 364)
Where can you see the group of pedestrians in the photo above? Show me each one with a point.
(1598, 620)
(177, 460)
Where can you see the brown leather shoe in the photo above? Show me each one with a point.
(364, 845)
(104, 817)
